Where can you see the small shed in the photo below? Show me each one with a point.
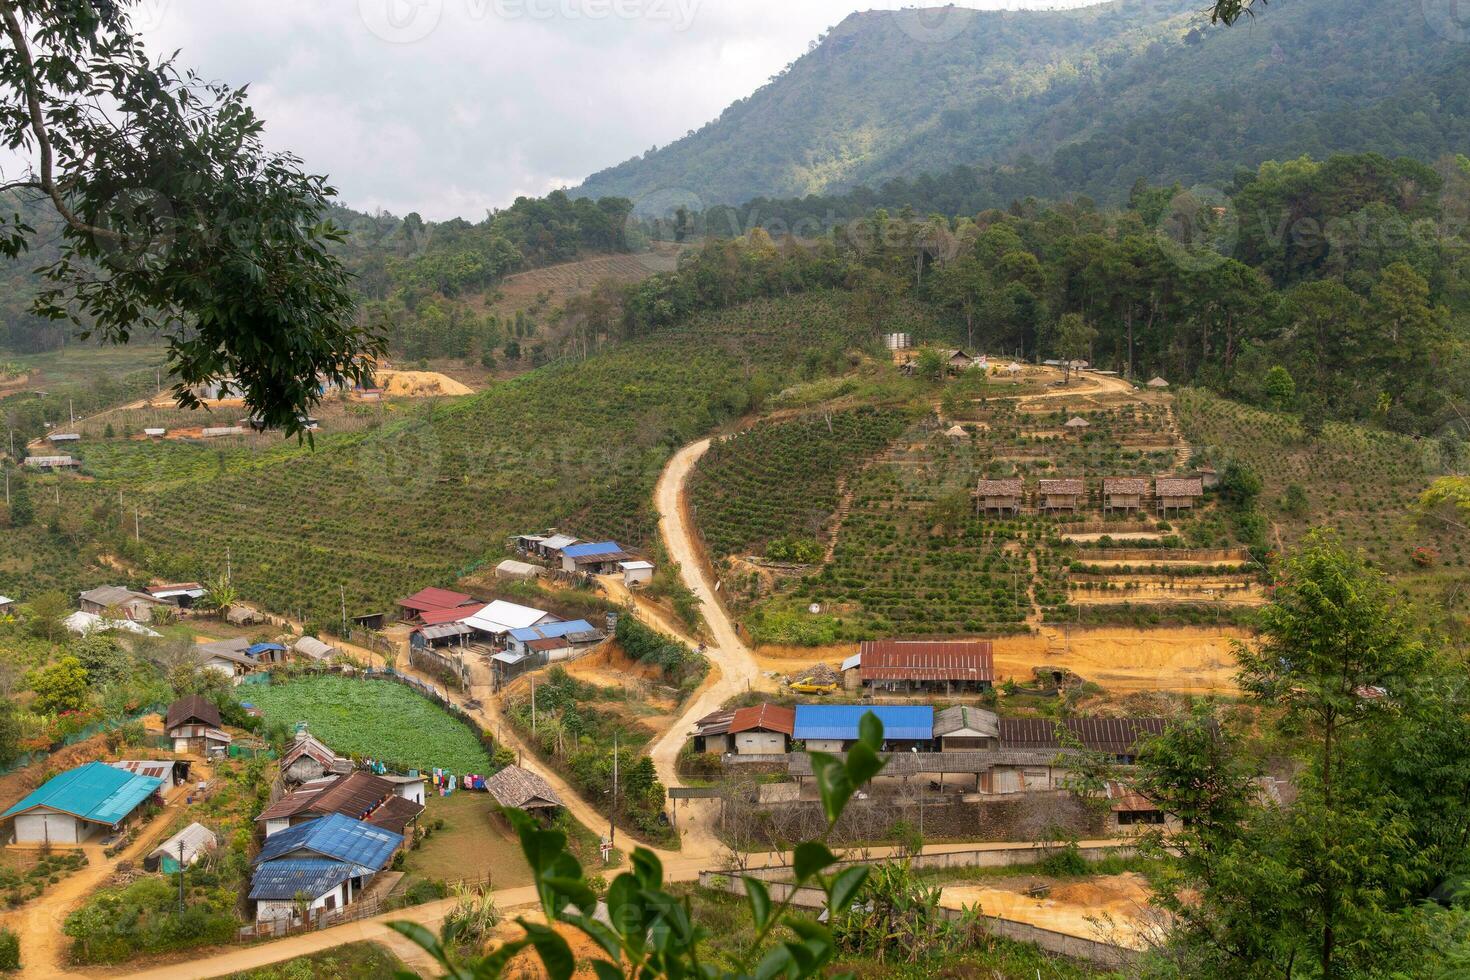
(243, 616)
(1178, 493)
(598, 558)
(959, 360)
(56, 437)
(181, 594)
(957, 431)
(1064, 494)
(183, 849)
(518, 788)
(1123, 493)
(7, 605)
(1077, 424)
(712, 732)
(764, 729)
(962, 728)
(518, 570)
(52, 462)
(1158, 384)
(1000, 496)
(194, 725)
(314, 649)
(636, 574)
(552, 547)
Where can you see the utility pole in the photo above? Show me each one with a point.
(533, 708)
(181, 877)
(228, 576)
(612, 822)
(137, 526)
(343, 590)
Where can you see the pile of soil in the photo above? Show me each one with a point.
(420, 384)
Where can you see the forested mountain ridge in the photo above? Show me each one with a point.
(1081, 101)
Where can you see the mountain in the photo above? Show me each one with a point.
(1098, 97)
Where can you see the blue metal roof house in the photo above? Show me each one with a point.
(598, 558)
(577, 633)
(831, 727)
(323, 864)
(71, 807)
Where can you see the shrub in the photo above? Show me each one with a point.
(9, 950)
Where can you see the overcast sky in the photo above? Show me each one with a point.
(452, 107)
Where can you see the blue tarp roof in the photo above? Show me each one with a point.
(599, 548)
(337, 837)
(260, 648)
(900, 722)
(283, 880)
(547, 631)
(96, 792)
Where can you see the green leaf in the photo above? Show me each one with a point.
(870, 731)
(844, 888)
(648, 868)
(606, 971)
(773, 964)
(811, 857)
(760, 901)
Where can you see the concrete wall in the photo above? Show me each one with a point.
(760, 743)
(825, 745)
(39, 826)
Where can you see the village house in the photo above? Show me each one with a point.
(182, 850)
(958, 361)
(1117, 737)
(182, 594)
(554, 641)
(412, 608)
(599, 558)
(764, 729)
(962, 728)
(444, 627)
(921, 666)
(58, 437)
(551, 547)
(75, 806)
(194, 725)
(1001, 496)
(309, 759)
(1132, 813)
(834, 727)
(1123, 493)
(226, 657)
(518, 571)
(1178, 493)
(53, 462)
(174, 772)
(323, 865)
(518, 788)
(636, 574)
(114, 601)
(496, 619)
(712, 733)
(359, 795)
(1064, 494)
(267, 653)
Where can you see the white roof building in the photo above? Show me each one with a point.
(557, 542)
(310, 646)
(502, 617)
(510, 568)
(192, 842)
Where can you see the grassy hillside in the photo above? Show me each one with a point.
(1099, 96)
(421, 496)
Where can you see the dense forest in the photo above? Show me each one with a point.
(1340, 288)
(1053, 103)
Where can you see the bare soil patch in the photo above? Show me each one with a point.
(1111, 908)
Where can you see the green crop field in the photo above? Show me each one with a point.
(430, 491)
(780, 479)
(375, 719)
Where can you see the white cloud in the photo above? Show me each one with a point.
(452, 107)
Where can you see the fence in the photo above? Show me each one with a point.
(1077, 947)
(318, 919)
(40, 755)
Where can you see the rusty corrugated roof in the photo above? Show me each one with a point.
(1117, 736)
(926, 660)
(770, 717)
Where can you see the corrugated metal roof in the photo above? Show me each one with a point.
(256, 649)
(455, 614)
(1118, 736)
(96, 792)
(395, 814)
(157, 768)
(337, 837)
(444, 631)
(283, 880)
(549, 631)
(591, 550)
(354, 795)
(195, 707)
(434, 598)
(926, 660)
(840, 721)
(766, 717)
(1126, 800)
(195, 838)
(963, 718)
(557, 542)
(502, 617)
(853, 661)
(311, 747)
(714, 723)
(310, 646)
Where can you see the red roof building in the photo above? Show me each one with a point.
(765, 718)
(432, 598)
(926, 665)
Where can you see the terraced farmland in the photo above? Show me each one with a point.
(780, 480)
(434, 489)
